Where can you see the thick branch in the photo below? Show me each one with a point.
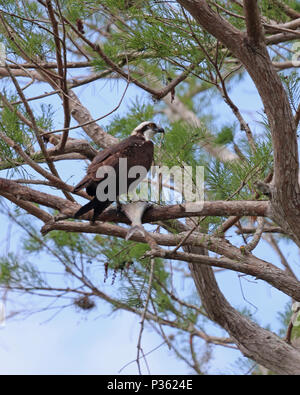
(253, 23)
(235, 259)
(285, 195)
(31, 195)
(82, 115)
(29, 207)
(288, 10)
(153, 214)
(254, 342)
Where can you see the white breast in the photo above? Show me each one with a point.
(149, 134)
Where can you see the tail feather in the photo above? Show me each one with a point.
(99, 208)
(84, 209)
(95, 205)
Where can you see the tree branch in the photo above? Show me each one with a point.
(253, 23)
(252, 340)
(285, 199)
(153, 214)
(235, 259)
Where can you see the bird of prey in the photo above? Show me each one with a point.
(137, 150)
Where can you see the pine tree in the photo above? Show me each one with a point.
(185, 56)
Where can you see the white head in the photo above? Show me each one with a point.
(147, 129)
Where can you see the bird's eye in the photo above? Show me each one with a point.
(152, 125)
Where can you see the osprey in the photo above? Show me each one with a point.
(136, 150)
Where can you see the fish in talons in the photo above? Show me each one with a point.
(135, 212)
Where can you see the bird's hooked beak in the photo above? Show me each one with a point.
(152, 130)
(160, 130)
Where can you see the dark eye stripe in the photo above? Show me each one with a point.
(144, 128)
(149, 125)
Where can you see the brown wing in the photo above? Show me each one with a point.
(109, 157)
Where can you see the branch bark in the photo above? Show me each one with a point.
(254, 342)
(235, 259)
(252, 52)
(253, 23)
(153, 214)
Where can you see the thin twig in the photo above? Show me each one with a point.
(257, 235)
(142, 323)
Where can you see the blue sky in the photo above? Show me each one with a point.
(73, 342)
